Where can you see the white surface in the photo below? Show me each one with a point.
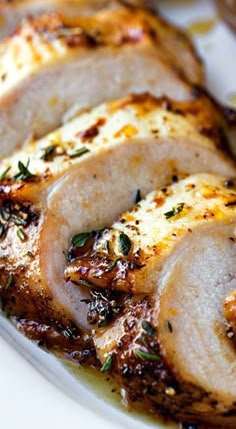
(49, 396)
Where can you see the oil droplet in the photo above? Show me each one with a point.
(53, 101)
(202, 27)
(232, 99)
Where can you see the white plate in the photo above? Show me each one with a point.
(36, 391)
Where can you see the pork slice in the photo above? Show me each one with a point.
(168, 346)
(13, 11)
(82, 176)
(54, 62)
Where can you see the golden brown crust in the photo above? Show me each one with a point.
(112, 28)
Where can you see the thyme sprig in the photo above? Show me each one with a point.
(175, 210)
(24, 172)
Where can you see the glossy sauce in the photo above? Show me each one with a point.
(202, 27)
(232, 99)
(103, 386)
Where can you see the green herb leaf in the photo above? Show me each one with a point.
(145, 355)
(169, 326)
(21, 234)
(107, 315)
(125, 244)
(176, 210)
(2, 230)
(142, 340)
(17, 220)
(79, 240)
(5, 214)
(22, 266)
(113, 265)
(138, 196)
(4, 174)
(107, 364)
(107, 246)
(48, 151)
(9, 281)
(88, 284)
(79, 152)
(30, 254)
(24, 172)
(148, 328)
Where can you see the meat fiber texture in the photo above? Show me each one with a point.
(53, 63)
(80, 178)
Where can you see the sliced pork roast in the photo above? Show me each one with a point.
(79, 179)
(55, 61)
(168, 346)
(13, 11)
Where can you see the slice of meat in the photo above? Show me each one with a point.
(13, 11)
(168, 347)
(54, 62)
(25, 298)
(81, 177)
(130, 255)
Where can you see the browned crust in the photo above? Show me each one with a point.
(115, 28)
(24, 298)
(152, 383)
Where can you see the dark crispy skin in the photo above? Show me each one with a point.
(152, 383)
(24, 298)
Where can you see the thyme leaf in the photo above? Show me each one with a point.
(169, 326)
(9, 281)
(86, 283)
(145, 355)
(24, 172)
(2, 230)
(125, 244)
(113, 265)
(148, 328)
(4, 173)
(17, 220)
(21, 234)
(48, 151)
(175, 210)
(80, 240)
(142, 340)
(79, 152)
(107, 364)
(107, 246)
(138, 196)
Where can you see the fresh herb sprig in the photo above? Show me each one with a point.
(107, 364)
(175, 210)
(24, 172)
(79, 240)
(140, 354)
(124, 244)
(4, 173)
